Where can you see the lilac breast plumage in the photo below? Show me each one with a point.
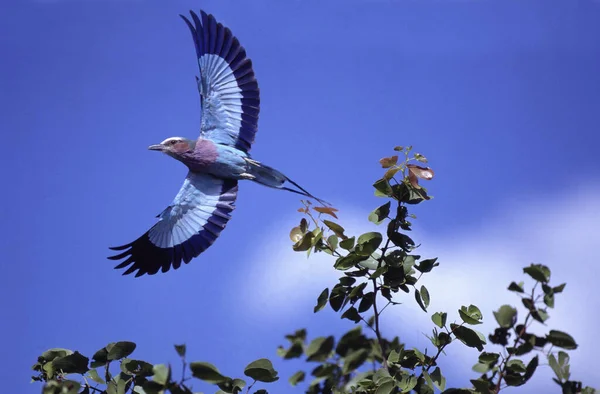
(229, 91)
(194, 220)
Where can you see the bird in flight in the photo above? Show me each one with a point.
(216, 161)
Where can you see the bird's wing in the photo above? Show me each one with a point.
(229, 93)
(185, 229)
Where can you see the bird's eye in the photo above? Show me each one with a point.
(173, 142)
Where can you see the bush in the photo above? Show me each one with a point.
(375, 270)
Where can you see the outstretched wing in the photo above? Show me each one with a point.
(185, 229)
(229, 93)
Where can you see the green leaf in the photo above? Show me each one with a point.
(555, 367)
(95, 377)
(332, 241)
(386, 387)
(506, 316)
(347, 243)
(489, 358)
(162, 374)
(383, 188)
(538, 272)
(469, 337)
(336, 228)
(261, 370)
(337, 297)
(481, 368)
(470, 315)
(354, 360)
(296, 350)
(425, 296)
(381, 213)
(350, 260)
(540, 315)
(393, 357)
(322, 300)
(439, 319)
(379, 271)
(531, 367)
(516, 287)
(561, 339)
(559, 288)
(320, 349)
(357, 291)
(297, 378)
(438, 379)
(99, 358)
(351, 314)
(180, 349)
(407, 382)
(368, 243)
(234, 386)
(389, 174)
(53, 353)
(481, 386)
(119, 350)
(136, 367)
(238, 385)
(366, 302)
(305, 243)
(427, 265)
(549, 300)
(207, 372)
(72, 363)
(419, 300)
(516, 366)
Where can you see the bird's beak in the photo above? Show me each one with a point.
(156, 147)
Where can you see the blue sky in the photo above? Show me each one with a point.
(503, 97)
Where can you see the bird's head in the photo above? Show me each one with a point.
(174, 146)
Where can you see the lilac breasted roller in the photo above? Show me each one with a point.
(230, 101)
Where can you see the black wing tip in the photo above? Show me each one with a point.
(119, 248)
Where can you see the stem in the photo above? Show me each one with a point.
(376, 312)
(87, 384)
(515, 343)
(183, 371)
(377, 331)
(433, 361)
(249, 387)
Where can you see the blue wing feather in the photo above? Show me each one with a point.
(230, 97)
(190, 225)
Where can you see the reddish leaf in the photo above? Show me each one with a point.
(327, 210)
(415, 172)
(387, 162)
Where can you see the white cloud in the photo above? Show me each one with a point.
(476, 267)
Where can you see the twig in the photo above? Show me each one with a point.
(377, 331)
(440, 350)
(502, 372)
(376, 312)
(249, 387)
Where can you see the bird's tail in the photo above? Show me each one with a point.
(270, 177)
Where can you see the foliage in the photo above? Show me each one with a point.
(137, 376)
(376, 270)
